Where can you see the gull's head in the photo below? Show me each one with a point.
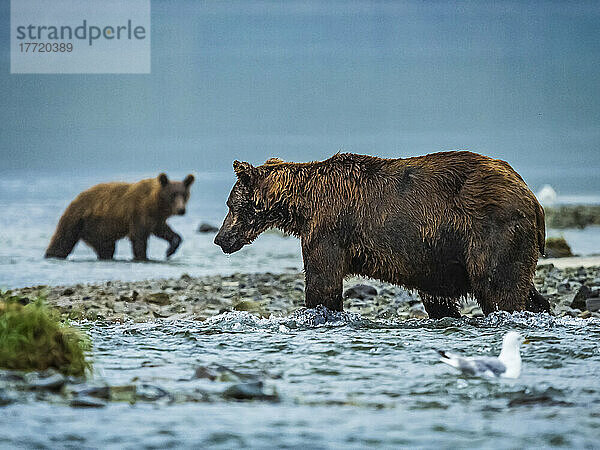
(511, 354)
(512, 341)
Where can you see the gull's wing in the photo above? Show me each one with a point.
(490, 367)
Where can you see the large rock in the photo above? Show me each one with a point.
(158, 298)
(579, 301)
(557, 248)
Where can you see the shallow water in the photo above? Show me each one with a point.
(347, 382)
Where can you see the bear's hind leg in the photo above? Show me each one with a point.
(106, 251)
(501, 266)
(438, 307)
(64, 239)
(501, 289)
(492, 297)
(536, 302)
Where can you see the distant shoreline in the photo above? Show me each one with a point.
(572, 216)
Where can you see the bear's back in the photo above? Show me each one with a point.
(118, 200)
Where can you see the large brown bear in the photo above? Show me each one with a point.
(108, 212)
(447, 224)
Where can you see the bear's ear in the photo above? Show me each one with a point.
(273, 161)
(188, 180)
(163, 179)
(244, 171)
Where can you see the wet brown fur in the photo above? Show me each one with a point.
(108, 212)
(447, 224)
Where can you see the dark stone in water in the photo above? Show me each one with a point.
(96, 391)
(207, 228)
(572, 216)
(87, 402)
(532, 397)
(150, 393)
(124, 393)
(6, 398)
(206, 372)
(248, 391)
(537, 399)
(11, 375)
(50, 381)
(361, 292)
(222, 373)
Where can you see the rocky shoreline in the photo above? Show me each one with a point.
(572, 216)
(572, 291)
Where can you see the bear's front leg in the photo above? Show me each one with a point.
(164, 231)
(325, 268)
(139, 242)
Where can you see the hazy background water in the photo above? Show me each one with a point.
(303, 79)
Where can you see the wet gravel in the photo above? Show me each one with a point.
(269, 294)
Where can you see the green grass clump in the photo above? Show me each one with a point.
(33, 337)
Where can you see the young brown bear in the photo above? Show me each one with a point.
(446, 224)
(107, 212)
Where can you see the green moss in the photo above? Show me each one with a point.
(33, 337)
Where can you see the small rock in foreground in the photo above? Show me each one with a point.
(249, 391)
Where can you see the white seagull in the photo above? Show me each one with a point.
(506, 365)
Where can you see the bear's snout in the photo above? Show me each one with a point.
(227, 243)
(218, 240)
(181, 211)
